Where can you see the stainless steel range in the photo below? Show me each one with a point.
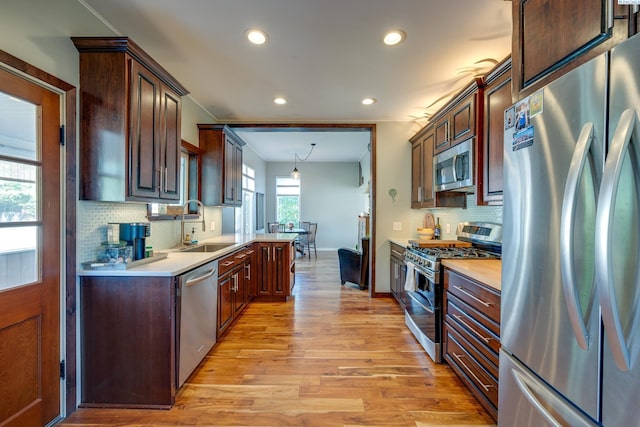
(424, 287)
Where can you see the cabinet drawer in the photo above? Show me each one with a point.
(397, 252)
(481, 383)
(457, 307)
(478, 296)
(226, 264)
(484, 342)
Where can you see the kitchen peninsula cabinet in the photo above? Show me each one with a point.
(221, 165)
(472, 335)
(234, 283)
(130, 111)
(422, 189)
(489, 159)
(552, 37)
(276, 270)
(128, 341)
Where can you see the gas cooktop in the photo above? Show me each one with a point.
(449, 252)
(485, 238)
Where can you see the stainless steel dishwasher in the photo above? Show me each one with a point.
(198, 290)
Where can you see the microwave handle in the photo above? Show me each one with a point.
(455, 168)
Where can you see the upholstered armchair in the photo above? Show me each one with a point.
(354, 265)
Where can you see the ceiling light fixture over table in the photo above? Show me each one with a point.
(295, 174)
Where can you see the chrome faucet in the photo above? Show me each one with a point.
(182, 221)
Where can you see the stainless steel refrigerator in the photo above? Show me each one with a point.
(570, 321)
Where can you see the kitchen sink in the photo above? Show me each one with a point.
(207, 247)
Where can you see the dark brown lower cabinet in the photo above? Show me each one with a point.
(276, 270)
(472, 336)
(128, 341)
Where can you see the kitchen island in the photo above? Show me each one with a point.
(131, 319)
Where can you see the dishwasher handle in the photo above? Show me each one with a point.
(199, 279)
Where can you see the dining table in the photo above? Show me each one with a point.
(302, 231)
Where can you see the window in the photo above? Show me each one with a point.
(287, 200)
(245, 214)
(20, 192)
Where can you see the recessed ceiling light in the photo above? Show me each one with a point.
(368, 101)
(279, 100)
(392, 38)
(257, 36)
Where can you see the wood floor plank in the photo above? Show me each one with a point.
(330, 356)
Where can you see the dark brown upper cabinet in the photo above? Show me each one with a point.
(221, 151)
(130, 115)
(551, 37)
(490, 148)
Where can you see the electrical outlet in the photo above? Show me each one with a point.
(448, 228)
(397, 226)
(213, 226)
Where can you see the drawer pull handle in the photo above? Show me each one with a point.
(486, 387)
(400, 254)
(476, 333)
(470, 295)
(227, 263)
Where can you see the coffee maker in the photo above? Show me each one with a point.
(135, 233)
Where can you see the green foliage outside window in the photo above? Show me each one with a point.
(288, 209)
(17, 201)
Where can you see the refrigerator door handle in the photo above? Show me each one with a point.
(528, 394)
(604, 223)
(567, 228)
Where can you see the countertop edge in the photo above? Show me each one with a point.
(178, 261)
(485, 271)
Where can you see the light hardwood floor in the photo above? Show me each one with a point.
(330, 356)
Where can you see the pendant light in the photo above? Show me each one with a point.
(295, 173)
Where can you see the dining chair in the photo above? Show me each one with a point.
(301, 240)
(310, 239)
(274, 227)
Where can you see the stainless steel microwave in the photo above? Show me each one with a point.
(453, 168)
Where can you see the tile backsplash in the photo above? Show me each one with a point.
(93, 217)
(454, 216)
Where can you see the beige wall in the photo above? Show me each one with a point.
(393, 170)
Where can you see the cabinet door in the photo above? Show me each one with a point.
(250, 273)
(144, 150)
(237, 175)
(225, 302)
(549, 35)
(263, 276)
(497, 98)
(428, 196)
(170, 144)
(441, 140)
(463, 122)
(239, 290)
(417, 170)
(280, 269)
(229, 171)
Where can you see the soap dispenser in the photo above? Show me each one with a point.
(194, 240)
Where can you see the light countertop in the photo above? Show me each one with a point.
(487, 271)
(178, 262)
(402, 241)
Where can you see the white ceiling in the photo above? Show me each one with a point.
(323, 56)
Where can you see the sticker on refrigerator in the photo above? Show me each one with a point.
(522, 114)
(509, 118)
(536, 103)
(523, 139)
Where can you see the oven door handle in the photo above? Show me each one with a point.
(430, 310)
